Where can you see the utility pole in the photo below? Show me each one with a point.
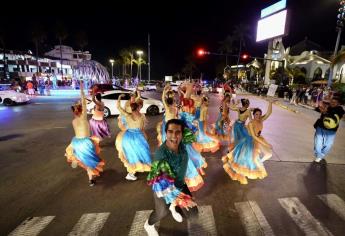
(149, 56)
(340, 25)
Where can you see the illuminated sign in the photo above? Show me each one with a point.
(273, 8)
(271, 26)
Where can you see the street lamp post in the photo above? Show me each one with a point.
(139, 53)
(340, 25)
(112, 67)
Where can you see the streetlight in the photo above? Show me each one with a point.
(112, 67)
(340, 25)
(139, 53)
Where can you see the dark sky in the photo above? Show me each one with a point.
(177, 28)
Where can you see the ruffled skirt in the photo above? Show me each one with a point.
(99, 128)
(134, 150)
(85, 151)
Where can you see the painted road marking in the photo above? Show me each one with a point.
(203, 223)
(90, 224)
(302, 217)
(137, 227)
(253, 219)
(32, 226)
(334, 202)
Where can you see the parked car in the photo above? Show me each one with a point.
(151, 106)
(106, 87)
(10, 97)
(150, 86)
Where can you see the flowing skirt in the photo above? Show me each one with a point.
(243, 161)
(99, 128)
(221, 129)
(134, 150)
(188, 119)
(85, 152)
(205, 143)
(197, 160)
(239, 131)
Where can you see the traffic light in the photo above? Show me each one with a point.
(201, 52)
(245, 56)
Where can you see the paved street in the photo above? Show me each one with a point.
(41, 194)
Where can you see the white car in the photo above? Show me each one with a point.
(151, 106)
(11, 97)
(150, 87)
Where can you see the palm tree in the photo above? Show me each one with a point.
(241, 35)
(125, 55)
(190, 67)
(139, 62)
(2, 43)
(226, 46)
(61, 34)
(38, 38)
(81, 39)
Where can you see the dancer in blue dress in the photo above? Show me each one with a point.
(84, 150)
(204, 141)
(133, 148)
(246, 159)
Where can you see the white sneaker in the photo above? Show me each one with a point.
(150, 229)
(318, 159)
(177, 216)
(130, 176)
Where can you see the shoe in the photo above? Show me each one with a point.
(130, 176)
(177, 216)
(318, 159)
(150, 229)
(92, 182)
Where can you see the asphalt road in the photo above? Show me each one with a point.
(297, 198)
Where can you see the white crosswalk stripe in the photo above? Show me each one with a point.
(334, 202)
(302, 217)
(203, 224)
(253, 219)
(89, 224)
(32, 226)
(250, 214)
(137, 228)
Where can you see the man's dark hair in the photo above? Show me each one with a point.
(175, 122)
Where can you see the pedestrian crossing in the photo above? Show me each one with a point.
(250, 214)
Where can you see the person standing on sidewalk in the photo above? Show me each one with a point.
(167, 177)
(326, 127)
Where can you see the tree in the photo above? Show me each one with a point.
(139, 62)
(61, 35)
(241, 35)
(125, 55)
(226, 46)
(190, 67)
(38, 38)
(2, 43)
(81, 39)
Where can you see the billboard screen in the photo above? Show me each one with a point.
(273, 8)
(271, 26)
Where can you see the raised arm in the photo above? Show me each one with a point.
(234, 107)
(138, 95)
(83, 100)
(165, 90)
(94, 98)
(269, 110)
(121, 110)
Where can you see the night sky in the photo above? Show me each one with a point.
(177, 28)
